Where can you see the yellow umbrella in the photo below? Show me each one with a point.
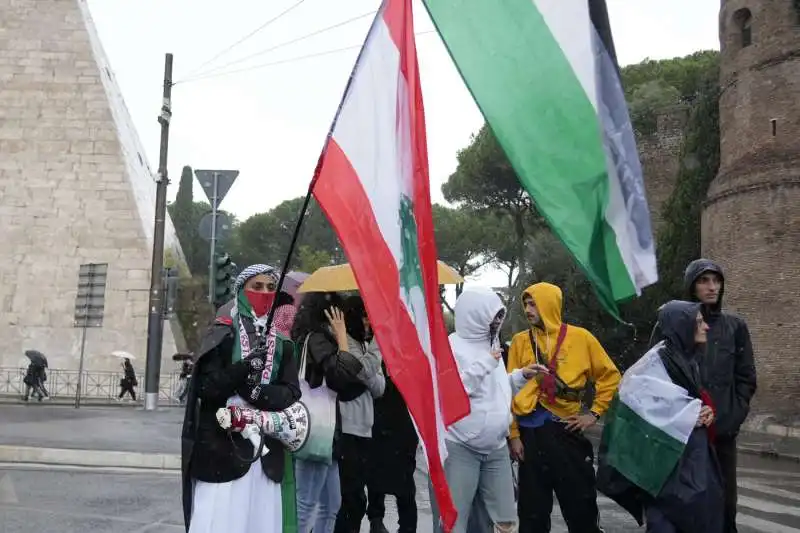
(340, 278)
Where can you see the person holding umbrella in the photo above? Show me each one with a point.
(35, 376)
(128, 381)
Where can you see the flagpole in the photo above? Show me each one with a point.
(304, 209)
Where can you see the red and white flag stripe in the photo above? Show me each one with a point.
(372, 183)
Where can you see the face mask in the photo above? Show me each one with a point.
(261, 302)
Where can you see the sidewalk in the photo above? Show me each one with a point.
(762, 444)
(91, 436)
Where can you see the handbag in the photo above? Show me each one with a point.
(321, 404)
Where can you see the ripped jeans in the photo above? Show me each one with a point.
(483, 478)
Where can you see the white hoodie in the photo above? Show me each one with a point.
(488, 385)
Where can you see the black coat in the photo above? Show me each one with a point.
(691, 500)
(727, 366)
(340, 370)
(394, 443)
(208, 452)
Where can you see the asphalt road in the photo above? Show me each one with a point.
(70, 500)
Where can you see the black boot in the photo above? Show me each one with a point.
(376, 526)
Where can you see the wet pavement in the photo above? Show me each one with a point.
(94, 500)
(70, 500)
(125, 428)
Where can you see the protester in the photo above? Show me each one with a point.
(355, 445)
(662, 406)
(547, 434)
(285, 313)
(478, 462)
(34, 379)
(128, 381)
(727, 370)
(320, 327)
(224, 488)
(393, 461)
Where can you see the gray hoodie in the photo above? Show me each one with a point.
(358, 414)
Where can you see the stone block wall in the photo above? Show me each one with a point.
(660, 153)
(72, 174)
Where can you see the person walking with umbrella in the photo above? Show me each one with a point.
(35, 376)
(129, 381)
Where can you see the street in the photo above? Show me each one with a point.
(73, 500)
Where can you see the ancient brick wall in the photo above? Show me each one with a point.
(751, 220)
(73, 188)
(659, 153)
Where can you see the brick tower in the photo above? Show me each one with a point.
(75, 188)
(751, 219)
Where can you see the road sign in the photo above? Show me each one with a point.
(224, 227)
(90, 300)
(90, 303)
(224, 181)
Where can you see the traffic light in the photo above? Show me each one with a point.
(171, 281)
(223, 279)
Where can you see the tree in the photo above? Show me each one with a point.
(485, 182)
(461, 239)
(265, 237)
(686, 74)
(308, 259)
(647, 100)
(184, 197)
(679, 241)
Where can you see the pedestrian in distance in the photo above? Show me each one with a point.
(128, 382)
(35, 377)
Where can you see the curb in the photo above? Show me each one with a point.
(768, 452)
(763, 450)
(90, 402)
(90, 458)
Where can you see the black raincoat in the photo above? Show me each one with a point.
(727, 367)
(691, 500)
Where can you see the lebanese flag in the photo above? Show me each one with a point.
(372, 183)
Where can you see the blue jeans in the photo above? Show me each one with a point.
(317, 490)
(478, 478)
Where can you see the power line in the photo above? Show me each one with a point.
(285, 43)
(283, 61)
(243, 39)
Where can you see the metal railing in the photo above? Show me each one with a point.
(95, 386)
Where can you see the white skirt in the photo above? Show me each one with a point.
(250, 504)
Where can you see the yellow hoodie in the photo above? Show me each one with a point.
(580, 359)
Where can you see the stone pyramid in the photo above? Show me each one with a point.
(75, 187)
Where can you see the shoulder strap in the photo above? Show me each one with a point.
(562, 333)
(303, 357)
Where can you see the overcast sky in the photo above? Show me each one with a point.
(270, 118)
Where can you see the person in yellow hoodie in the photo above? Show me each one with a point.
(546, 435)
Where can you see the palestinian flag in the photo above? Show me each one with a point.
(544, 74)
(372, 183)
(648, 424)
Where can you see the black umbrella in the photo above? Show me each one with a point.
(36, 357)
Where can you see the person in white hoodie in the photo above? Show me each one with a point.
(478, 464)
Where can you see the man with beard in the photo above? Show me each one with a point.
(727, 370)
(547, 434)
